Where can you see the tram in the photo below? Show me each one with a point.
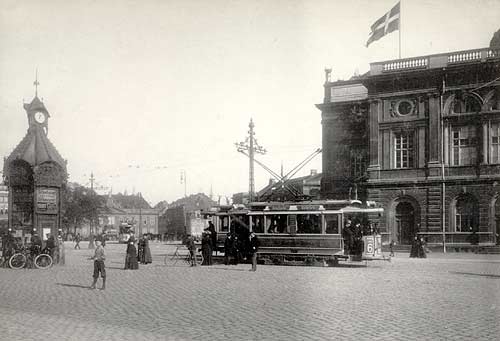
(327, 230)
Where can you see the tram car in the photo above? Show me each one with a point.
(327, 230)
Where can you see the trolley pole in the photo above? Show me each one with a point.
(250, 144)
(91, 239)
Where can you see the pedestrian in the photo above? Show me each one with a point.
(7, 246)
(50, 245)
(192, 249)
(131, 255)
(140, 249)
(206, 248)
(213, 235)
(421, 248)
(391, 248)
(414, 247)
(77, 241)
(347, 234)
(60, 248)
(228, 248)
(103, 239)
(254, 244)
(147, 259)
(99, 267)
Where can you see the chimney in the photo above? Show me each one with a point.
(314, 172)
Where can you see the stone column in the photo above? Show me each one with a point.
(374, 115)
(435, 144)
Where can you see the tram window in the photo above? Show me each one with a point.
(258, 224)
(332, 224)
(224, 224)
(277, 223)
(308, 223)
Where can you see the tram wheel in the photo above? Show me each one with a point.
(17, 261)
(43, 261)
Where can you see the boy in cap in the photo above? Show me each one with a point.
(99, 259)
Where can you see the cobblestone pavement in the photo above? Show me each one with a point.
(441, 297)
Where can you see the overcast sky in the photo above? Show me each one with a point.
(140, 90)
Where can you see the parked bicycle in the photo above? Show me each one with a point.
(183, 256)
(31, 257)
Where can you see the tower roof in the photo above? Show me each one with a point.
(35, 148)
(35, 105)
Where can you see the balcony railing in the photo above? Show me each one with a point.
(434, 61)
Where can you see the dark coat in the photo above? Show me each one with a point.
(254, 245)
(131, 257)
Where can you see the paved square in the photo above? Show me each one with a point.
(453, 296)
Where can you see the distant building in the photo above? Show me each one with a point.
(128, 209)
(4, 207)
(305, 187)
(180, 214)
(420, 136)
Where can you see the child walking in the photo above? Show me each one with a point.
(99, 258)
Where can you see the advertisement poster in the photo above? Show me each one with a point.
(46, 200)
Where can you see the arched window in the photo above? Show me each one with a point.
(467, 104)
(466, 214)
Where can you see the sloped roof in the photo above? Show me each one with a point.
(35, 148)
(123, 201)
(36, 105)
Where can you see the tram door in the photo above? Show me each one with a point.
(405, 223)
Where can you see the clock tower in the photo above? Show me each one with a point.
(36, 175)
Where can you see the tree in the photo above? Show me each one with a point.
(495, 40)
(81, 205)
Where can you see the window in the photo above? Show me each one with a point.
(308, 223)
(403, 148)
(358, 163)
(224, 223)
(277, 223)
(332, 224)
(405, 108)
(467, 105)
(495, 143)
(464, 142)
(466, 214)
(258, 224)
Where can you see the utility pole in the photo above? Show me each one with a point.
(250, 144)
(184, 181)
(91, 240)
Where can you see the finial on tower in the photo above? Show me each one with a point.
(328, 75)
(36, 83)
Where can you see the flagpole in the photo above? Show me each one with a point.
(400, 17)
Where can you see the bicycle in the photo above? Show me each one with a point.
(29, 258)
(180, 254)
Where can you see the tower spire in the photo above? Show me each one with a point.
(36, 83)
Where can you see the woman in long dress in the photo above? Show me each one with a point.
(131, 256)
(146, 251)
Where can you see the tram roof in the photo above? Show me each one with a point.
(311, 206)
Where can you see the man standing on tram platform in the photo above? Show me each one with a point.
(253, 248)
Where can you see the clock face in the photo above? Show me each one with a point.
(40, 117)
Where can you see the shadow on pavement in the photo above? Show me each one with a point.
(474, 274)
(74, 285)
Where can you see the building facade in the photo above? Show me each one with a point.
(131, 210)
(421, 137)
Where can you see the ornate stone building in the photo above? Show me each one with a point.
(35, 173)
(420, 136)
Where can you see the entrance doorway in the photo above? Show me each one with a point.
(405, 223)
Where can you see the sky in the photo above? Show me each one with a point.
(142, 91)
